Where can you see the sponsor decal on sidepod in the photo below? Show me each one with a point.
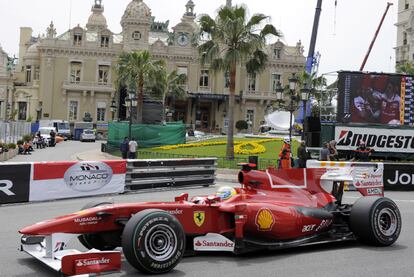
(264, 220)
(88, 176)
(213, 242)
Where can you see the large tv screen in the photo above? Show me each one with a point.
(375, 98)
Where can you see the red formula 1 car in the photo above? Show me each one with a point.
(272, 209)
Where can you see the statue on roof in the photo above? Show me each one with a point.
(98, 3)
(51, 30)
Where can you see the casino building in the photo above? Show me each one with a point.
(70, 75)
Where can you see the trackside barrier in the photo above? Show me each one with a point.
(143, 174)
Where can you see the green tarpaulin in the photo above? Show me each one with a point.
(147, 135)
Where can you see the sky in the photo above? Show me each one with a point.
(344, 34)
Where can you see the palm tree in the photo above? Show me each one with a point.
(165, 84)
(233, 41)
(406, 68)
(134, 69)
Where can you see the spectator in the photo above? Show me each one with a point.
(302, 155)
(333, 152)
(26, 148)
(362, 153)
(324, 153)
(133, 145)
(284, 155)
(124, 148)
(52, 141)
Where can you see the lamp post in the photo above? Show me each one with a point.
(131, 102)
(293, 81)
(113, 109)
(304, 95)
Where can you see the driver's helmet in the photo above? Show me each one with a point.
(286, 140)
(226, 192)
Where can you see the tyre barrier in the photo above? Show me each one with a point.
(156, 173)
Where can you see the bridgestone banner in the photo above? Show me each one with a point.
(381, 140)
(14, 183)
(76, 179)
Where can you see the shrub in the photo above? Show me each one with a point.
(12, 145)
(20, 142)
(241, 125)
(27, 138)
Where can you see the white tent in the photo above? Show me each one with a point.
(279, 120)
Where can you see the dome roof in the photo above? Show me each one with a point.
(97, 19)
(137, 10)
(32, 51)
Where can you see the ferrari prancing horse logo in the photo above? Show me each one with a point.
(199, 217)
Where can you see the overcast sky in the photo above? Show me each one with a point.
(342, 45)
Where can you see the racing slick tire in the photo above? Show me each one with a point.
(153, 241)
(96, 241)
(376, 221)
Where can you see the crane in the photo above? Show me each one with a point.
(375, 36)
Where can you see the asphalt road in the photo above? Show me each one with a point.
(344, 259)
(64, 151)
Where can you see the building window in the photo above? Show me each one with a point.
(404, 38)
(275, 80)
(104, 41)
(103, 74)
(182, 70)
(73, 110)
(251, 82)
(75, 72)
(37, 73)
(77, 39)
(204, 78)
(22, 115)
(407, 5)
(277, 53)
(28, 73)
(100, 114)
(136, 35)
(250, 118)
(227, 79)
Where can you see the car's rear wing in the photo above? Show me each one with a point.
(51, 250)
(367, 178)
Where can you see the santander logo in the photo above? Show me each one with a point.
(95, 261)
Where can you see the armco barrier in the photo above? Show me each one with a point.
(143, 174)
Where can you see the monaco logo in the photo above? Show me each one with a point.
(88, 176)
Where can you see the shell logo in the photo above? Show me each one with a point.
(265, 220)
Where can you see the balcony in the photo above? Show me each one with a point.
(88, 86)
(260, 95)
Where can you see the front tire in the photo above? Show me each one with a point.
(376, 221)
(153, 241)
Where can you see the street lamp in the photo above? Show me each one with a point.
(113, 109)
(304, 95)
(293, 81)
(131, 102)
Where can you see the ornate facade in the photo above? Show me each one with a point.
(65, 76)
(405, 32)
(6, 85)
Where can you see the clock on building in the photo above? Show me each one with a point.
(182, 39)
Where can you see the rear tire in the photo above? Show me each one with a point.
(96, 241)
(376, 221)
(153, 241)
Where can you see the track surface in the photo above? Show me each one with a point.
(344, 259)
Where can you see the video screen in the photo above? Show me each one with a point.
(375, 98)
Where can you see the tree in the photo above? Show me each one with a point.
(134, 69)
(406, 68)
(165, 84)
(233, 41)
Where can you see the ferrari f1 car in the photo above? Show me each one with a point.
(272, 209)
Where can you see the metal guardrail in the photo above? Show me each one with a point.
(157, 173)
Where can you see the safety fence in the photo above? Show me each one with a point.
(11, 132)
(155, 173)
